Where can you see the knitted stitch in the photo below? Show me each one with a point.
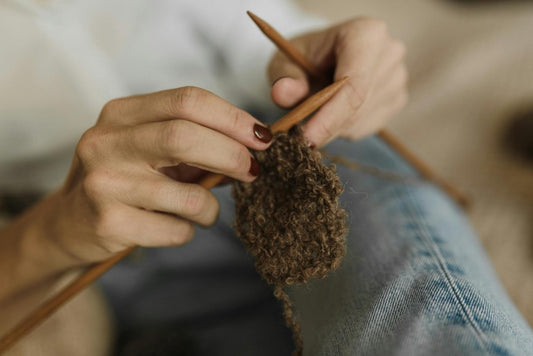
(289, 218)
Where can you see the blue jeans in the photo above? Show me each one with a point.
(415, 280)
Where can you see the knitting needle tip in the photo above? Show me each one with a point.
(263, 25)
(252, 15)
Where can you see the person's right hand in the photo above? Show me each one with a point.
(120, 193)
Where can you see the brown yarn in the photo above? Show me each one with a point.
(289, 218)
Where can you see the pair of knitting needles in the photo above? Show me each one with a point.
(297, 57)
(293, 117)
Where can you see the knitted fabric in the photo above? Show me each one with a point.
(289, 218)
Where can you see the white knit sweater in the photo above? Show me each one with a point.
(61, 60)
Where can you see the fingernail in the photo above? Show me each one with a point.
(262, 133)
(254, 167)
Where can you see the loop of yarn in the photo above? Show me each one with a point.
(289, 218)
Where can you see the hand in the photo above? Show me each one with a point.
(362, 49)
(134, 176)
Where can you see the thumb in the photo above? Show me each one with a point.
(289, 81)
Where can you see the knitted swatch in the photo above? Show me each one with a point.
(289, 218)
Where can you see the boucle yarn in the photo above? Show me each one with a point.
(289, 218)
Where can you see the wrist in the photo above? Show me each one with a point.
(56, 234)
(27, 256)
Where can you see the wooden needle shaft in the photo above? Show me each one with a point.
(423, 168)
(311, 104)
(49, 307)
(92, 273)
(298, 58)
(286, 47)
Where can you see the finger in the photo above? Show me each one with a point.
(287, 92)
(359, 47)
(379, 118)
(387, 94)
(192, 104)
(290, 83)
(131, 226)
(169, 143)
(358, 53)
(391, 64)
(162, 194)
(326, 124)
(381, 108)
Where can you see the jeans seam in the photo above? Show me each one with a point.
(466, 313)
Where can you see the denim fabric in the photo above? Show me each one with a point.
(415, 280)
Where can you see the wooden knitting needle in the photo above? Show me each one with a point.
(90, 275)
(297, 57)
(290, 119)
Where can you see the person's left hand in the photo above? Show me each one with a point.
(361, 49)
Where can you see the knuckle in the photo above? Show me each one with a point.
(195, 200)
(239, 160)
(177, 137)
(361, 26)
(95, 184)
(236, 118)
(373, 25)
(106, 223)
(357, 95)
(87, 145)
(92, 143)
(186, 99)
(112, 108)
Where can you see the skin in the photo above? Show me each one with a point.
(362, 49)
(134, 176)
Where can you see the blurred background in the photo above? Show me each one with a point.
(471, 98)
